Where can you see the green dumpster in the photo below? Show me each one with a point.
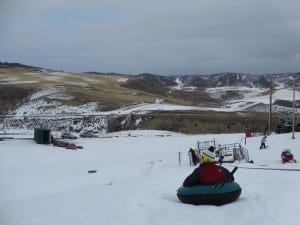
(42, 135)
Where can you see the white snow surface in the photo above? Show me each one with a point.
(53, 109)
(181, 86)
(138, 173)
(39, 106)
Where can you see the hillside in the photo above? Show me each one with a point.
(36, 92)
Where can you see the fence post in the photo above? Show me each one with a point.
(190, 158)
(179, 158)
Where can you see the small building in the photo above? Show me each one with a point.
(42, 136)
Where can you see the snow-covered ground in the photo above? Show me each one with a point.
(137, 175)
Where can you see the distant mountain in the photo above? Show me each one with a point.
(223, 80)
(8, 65)
(200, 81)
(111, 91)
(29, 92)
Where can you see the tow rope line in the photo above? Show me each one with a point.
(265, 168)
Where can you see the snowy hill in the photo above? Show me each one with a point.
(57, 92)
(43, 109)
(251, 97)
(137, 175)
(30, 94)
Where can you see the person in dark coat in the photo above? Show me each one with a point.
(194, 156)
(208, 172)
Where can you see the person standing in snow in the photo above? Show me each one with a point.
(194, 156)
(263, 142)
(208, 172)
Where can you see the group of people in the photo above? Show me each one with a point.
(208, 172)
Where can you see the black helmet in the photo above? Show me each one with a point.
(211, 148)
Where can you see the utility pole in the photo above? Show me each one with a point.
(270, 108)
(293, 127)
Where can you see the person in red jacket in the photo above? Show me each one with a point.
(208, 172)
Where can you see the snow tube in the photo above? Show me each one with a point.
(209, 194)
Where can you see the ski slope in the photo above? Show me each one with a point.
(137, 175)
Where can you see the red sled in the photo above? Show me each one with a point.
(287, 156)
(71, 146)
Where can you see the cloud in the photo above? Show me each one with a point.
(164, 37)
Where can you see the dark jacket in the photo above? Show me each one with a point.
(195, 177)
(194, 157)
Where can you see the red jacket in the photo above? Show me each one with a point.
(207, 173)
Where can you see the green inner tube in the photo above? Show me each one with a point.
(210, 194)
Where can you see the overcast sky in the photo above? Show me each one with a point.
(154, 36)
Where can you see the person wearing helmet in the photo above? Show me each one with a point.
(208, 172)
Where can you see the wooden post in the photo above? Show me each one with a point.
(190, 159)
(179, 158)
(270, 108)
(293, 126)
